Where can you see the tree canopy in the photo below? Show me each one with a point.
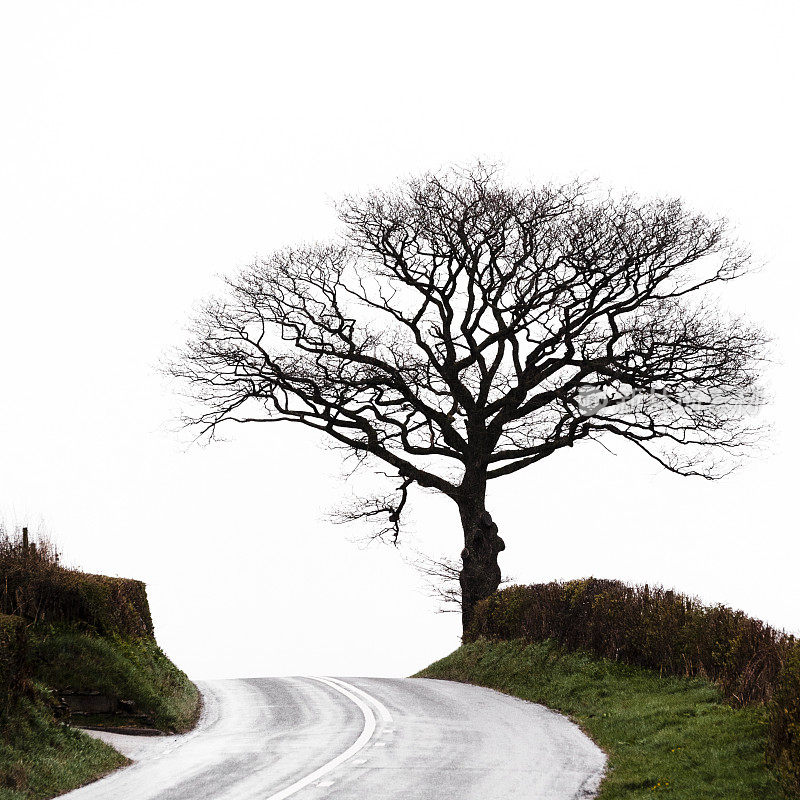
(462, 329)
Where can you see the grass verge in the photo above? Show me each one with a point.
(133, 669)
(663, 735)
(40, 758)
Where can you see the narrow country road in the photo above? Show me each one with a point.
(314, 738)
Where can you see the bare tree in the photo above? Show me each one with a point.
(463, 330)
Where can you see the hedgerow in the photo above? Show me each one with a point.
(14, 661)
(62, 630)
(784, 724)
(33, 585)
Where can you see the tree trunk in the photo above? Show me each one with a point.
(480, 573)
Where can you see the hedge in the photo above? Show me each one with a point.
(14, 660)
(784, 725)
(649, 627)
(751, 662)
(41, 591)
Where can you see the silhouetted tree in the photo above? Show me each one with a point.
(463, 330)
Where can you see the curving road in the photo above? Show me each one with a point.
(314, 738)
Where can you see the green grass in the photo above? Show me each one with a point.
(93, 634)
(131, 669)
(663, 735)
(40, 758)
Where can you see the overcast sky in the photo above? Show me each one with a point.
(148, 148)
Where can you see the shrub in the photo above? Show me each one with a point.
(784, 725)
(649, 627)
(14, 662)
(35, 586)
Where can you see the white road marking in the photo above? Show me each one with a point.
(369, 728)
(383, 712)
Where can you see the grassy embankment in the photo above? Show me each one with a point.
(665, 735)
(135, 670)
(687, 700)
(64, 631)
(40, 757)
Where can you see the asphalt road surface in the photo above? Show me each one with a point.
(376, 738)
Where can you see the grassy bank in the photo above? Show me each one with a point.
(663, 735)
(133, 669)
(751, 663)
(40, 758)
(41, 755)
(73, 642)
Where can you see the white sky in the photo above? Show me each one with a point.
(149, 147)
